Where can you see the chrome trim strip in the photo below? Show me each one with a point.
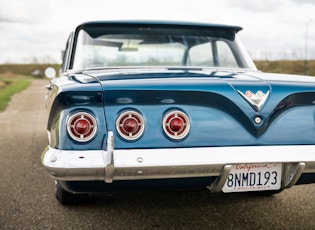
(218, 184)
(49, 137)
(293, 173)
(74, 165)
(160, 172)
(217, 155)
(136, 164)
(110, 169)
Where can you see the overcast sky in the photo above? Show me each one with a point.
(38, 29)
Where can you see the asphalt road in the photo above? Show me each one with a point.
(27, 200)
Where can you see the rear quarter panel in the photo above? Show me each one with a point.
(66, 98)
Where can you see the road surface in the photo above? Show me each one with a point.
(27, 200)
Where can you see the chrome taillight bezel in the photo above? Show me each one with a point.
(134, 116)
(90, 119)
(166, 123)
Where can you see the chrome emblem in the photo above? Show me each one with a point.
(257, 99)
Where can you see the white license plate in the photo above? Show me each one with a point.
(253, 177)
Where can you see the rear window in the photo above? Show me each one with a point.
(157, 47)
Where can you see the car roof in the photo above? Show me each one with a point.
(96, 28)
(155, 23)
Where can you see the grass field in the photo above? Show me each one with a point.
(288, 67)
(9, 85)
(27, 69)
(14, 78)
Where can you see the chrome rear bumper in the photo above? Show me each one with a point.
(137, 164)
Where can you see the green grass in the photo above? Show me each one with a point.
(11, 86)
(16, 77)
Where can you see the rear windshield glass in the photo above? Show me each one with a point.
(158, 47)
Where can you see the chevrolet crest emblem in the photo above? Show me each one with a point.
(257, 100)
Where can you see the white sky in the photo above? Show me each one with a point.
(38, 29)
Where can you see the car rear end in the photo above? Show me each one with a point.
(173, 106)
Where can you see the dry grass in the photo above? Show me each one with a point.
(26, 69)
(288, 67)
(2, 84)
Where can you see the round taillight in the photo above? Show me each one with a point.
(130, 125)
(176, 125)
(82, 126)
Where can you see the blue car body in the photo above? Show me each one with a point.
(175, 126)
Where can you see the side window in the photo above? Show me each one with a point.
(200, 55)
(225, 55)
(65, 54)
(210, 54)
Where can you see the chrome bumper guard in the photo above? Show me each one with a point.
(137, 164)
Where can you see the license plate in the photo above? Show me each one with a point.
(253, 177)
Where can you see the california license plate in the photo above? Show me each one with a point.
(253, 177)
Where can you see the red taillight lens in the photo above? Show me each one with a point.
(176, 125)
(130, 125)
(82, 126)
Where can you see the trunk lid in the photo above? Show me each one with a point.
(225, 108)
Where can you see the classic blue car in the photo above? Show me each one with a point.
(174, 105)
